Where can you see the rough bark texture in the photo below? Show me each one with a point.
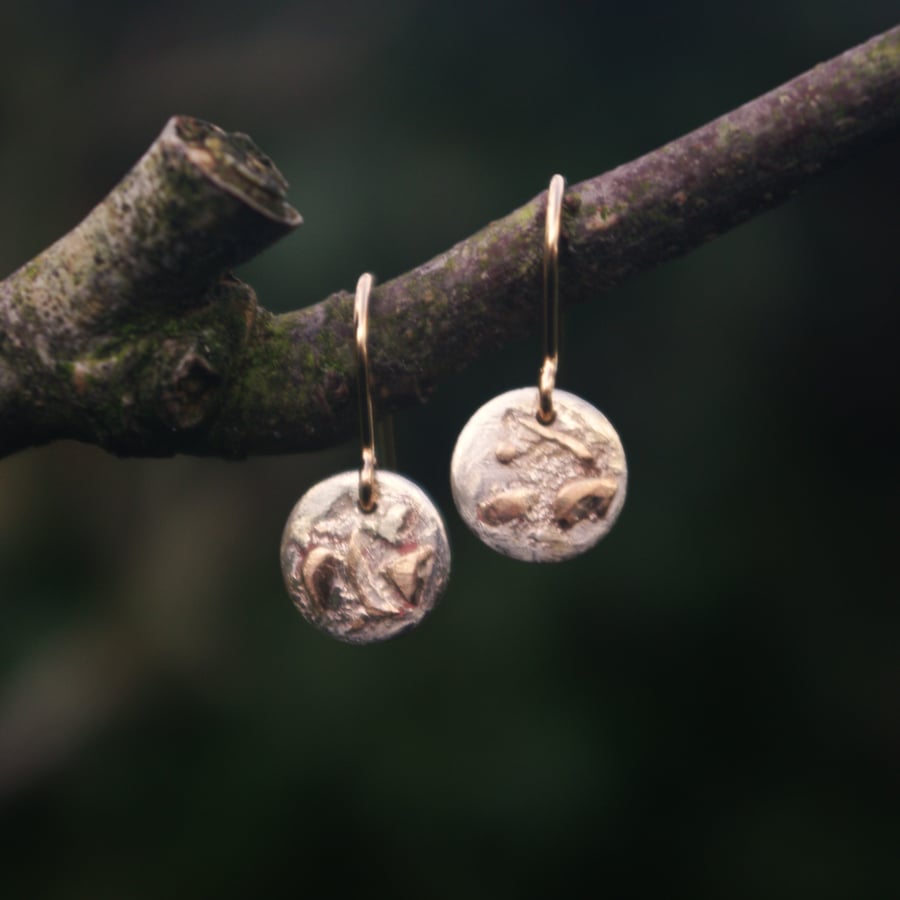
(130, 333)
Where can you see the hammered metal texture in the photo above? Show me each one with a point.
(541, 493)
(365, 577)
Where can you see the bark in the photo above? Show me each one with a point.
(130, 332)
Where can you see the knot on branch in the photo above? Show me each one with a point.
(191, 367)
(191, 397)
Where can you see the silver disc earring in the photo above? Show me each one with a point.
(536, 474)
(364, 555)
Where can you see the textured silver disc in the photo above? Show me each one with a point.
(364, 577)
(538, 492)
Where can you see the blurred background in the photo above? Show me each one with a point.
(706, 705)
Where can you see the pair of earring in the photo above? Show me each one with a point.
(538, 475)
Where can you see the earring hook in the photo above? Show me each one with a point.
(547, 382)
(364, 391)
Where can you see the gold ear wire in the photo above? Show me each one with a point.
(547, 380)
(372, 435)
(364, 390)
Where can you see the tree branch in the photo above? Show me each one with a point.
(130, 333)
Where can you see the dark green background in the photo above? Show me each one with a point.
(706, 705)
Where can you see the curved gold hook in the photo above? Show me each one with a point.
(364, 391)
(547, 382)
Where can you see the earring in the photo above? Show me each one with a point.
(538, 475)
(365, 557)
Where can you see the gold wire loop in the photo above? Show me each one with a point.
(547, 381)
(364, 391)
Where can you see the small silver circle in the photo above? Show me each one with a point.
(365, 577)
(541, 493)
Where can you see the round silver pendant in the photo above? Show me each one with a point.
(541, 493)
(364, 577)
